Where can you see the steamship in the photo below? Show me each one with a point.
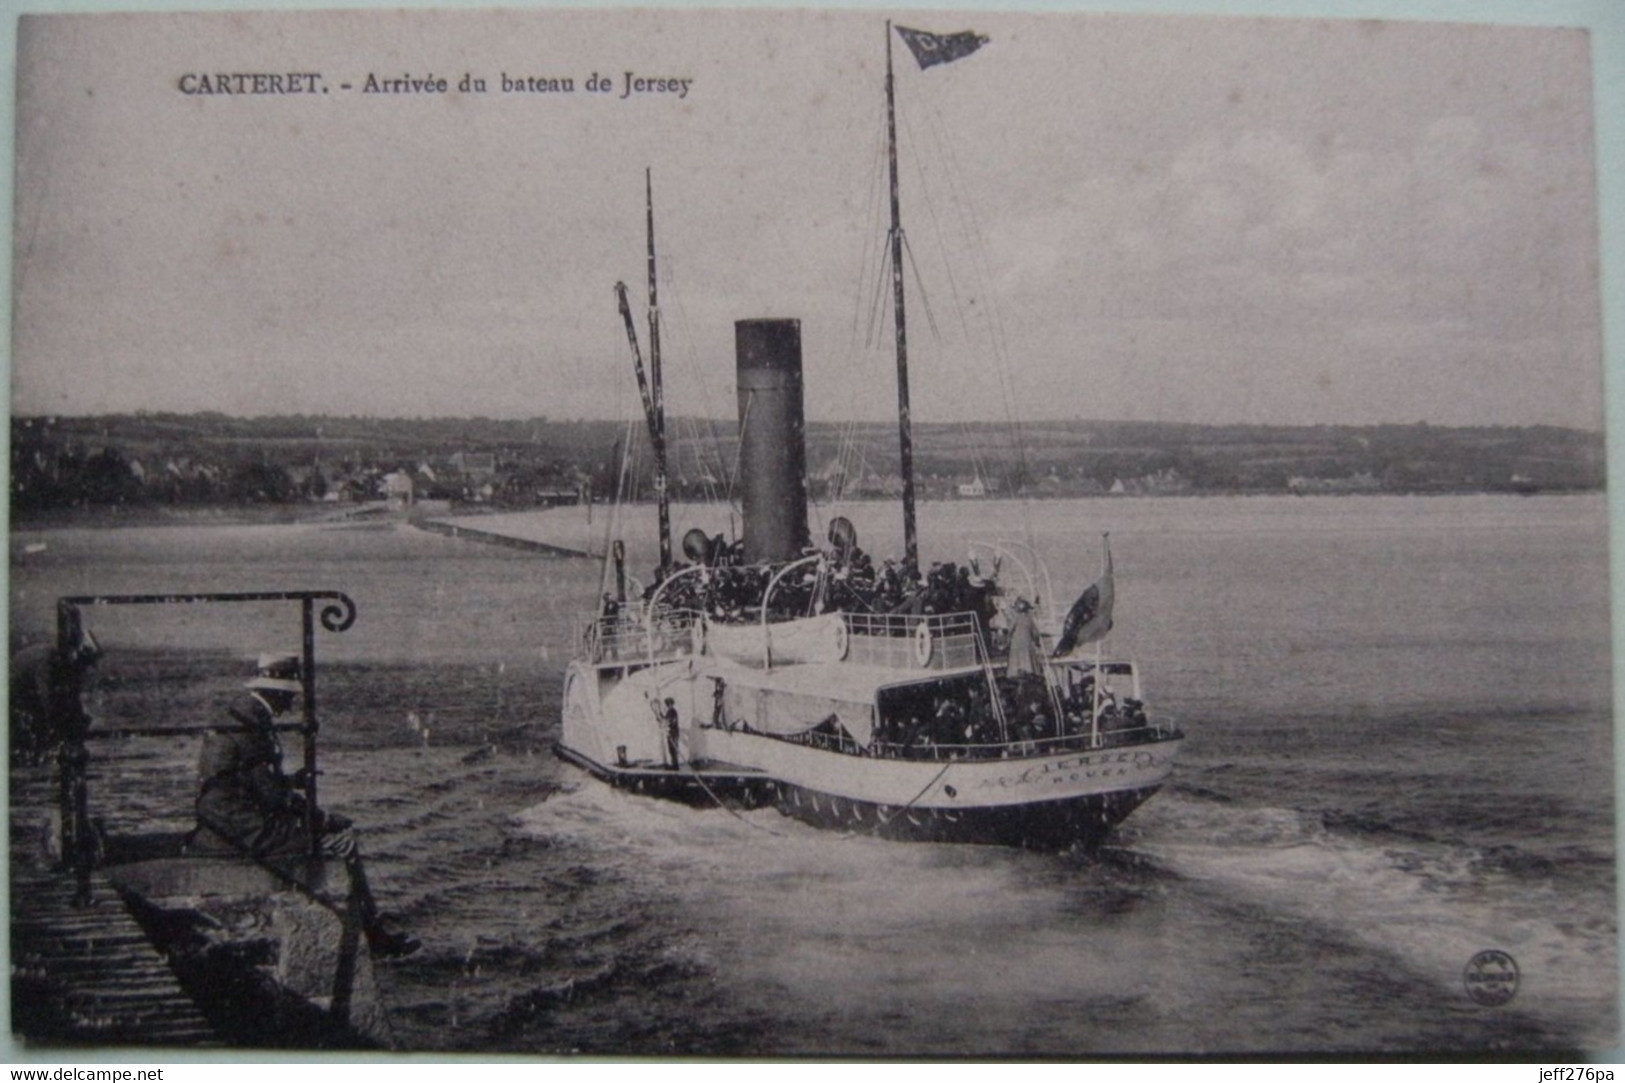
(769, 670)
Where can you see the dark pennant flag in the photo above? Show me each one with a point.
(931, 49)
(1091, 615)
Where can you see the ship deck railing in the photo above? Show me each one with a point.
(914, 640)
(939, 751)
(631, 638)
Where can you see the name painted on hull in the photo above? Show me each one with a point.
(1078, 769)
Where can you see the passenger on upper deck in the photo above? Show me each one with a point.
(1025, 651)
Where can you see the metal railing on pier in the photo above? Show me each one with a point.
(334, 610)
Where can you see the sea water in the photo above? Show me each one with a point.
(1399, 755)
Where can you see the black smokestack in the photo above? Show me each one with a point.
(772, 441)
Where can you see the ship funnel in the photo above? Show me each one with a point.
(772, 440)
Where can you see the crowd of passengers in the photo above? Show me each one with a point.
(962, 723)
(848, 581)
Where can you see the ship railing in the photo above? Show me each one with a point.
(940, 751)
(633, 637)
(1003, 750)
(909, 640)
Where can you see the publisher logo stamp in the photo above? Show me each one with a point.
(1491, 978)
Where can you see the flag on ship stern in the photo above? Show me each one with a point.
(1090, 617)
(929, 48)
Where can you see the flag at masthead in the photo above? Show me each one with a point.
(929, 48)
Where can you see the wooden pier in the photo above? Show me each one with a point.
(88, 975)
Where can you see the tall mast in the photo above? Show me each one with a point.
(905, 443)
(658, 419)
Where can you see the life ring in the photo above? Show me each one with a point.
(843, 640)
(922, 644)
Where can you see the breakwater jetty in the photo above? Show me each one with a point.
(488, 537)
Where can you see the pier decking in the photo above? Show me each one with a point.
(86, 975)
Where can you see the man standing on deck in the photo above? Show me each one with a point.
(673, 729)
(246, 805)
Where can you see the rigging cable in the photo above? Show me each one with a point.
(868, 256)
(993, 312)
(711, 441)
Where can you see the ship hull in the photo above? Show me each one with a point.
(699, 786)
(1082, 822)
(656, 712)
(1072, 798)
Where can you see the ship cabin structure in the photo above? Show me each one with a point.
(930, 688)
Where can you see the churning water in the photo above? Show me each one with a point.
(1400, 754)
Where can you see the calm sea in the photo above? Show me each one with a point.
(1400, 755)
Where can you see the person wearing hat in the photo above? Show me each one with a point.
(245, 802)
(247, 805)
(1022, 661)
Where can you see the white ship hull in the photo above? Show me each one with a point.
(1052, 793)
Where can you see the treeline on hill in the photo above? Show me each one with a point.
(213, 459)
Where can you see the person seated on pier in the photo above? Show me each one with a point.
(247, 806)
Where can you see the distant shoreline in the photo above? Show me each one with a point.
(100, 517)
(224, 515)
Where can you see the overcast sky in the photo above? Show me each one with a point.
(1139, 217)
